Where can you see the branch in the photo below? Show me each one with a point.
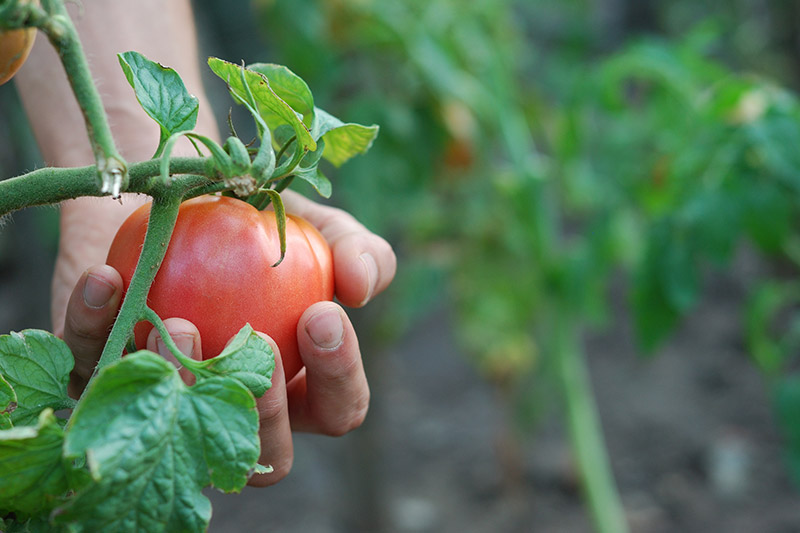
(53, 185)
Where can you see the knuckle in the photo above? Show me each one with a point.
(352, 419)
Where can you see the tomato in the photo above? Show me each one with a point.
(15, 45)
(218, 273)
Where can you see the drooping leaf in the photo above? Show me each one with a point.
(161, 93)
(273, 109)
(32, 472)
(287, 85)
(342, 140)
(36, 364)
(248, 358)
(152, 444)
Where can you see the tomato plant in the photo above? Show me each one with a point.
(138, 427)
(218, 272)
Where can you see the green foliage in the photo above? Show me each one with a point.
(533, 151)
(787, 407)
(162, 94)
(32, 467)
(35, 366)
(140, 445)
(151, 444)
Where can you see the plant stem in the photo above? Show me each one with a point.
(152, 317)
(112, 170)
(163, 214)
(586, 433)
(53, 185)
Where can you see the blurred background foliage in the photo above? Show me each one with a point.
(532, 152)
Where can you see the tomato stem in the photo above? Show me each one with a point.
(53, 185)
(586, 433)
(112, 170)
(166, 338)
(163, 214)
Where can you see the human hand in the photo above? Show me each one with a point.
(329, 396)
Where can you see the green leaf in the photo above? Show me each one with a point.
(665, 284)
(261, 469)
(342, 141)
(308, 170)
(161, 93)
(787, 408)
(32, 472)
(248, 358)
(37, 365)
(37, 524)
(273, 109)
(8, 403)
(152, 444)
(775, 138)
(287, 85)
(770, 349)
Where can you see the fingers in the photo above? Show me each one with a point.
(90, 313)
(275, 431)
(186, 338)
(331, 395)
(364, 263)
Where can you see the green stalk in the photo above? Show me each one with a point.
(112, 170)
(52, 185)
(163, 214)
(586, 434)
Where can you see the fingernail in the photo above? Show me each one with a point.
(326, 329)
(371, 269)
(97, 292)
(185, 344)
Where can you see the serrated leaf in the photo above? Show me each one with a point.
(36, 364)
(287, 85)
(8, 403)
(32, 472)
(248, 358)
(342, 140)
(161, 93)
(152, 444)
(272, 108)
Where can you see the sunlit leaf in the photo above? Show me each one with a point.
(161, 93)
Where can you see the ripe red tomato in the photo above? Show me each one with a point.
(218, 272)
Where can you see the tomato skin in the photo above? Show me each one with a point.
(15, 45)
(218, 273)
